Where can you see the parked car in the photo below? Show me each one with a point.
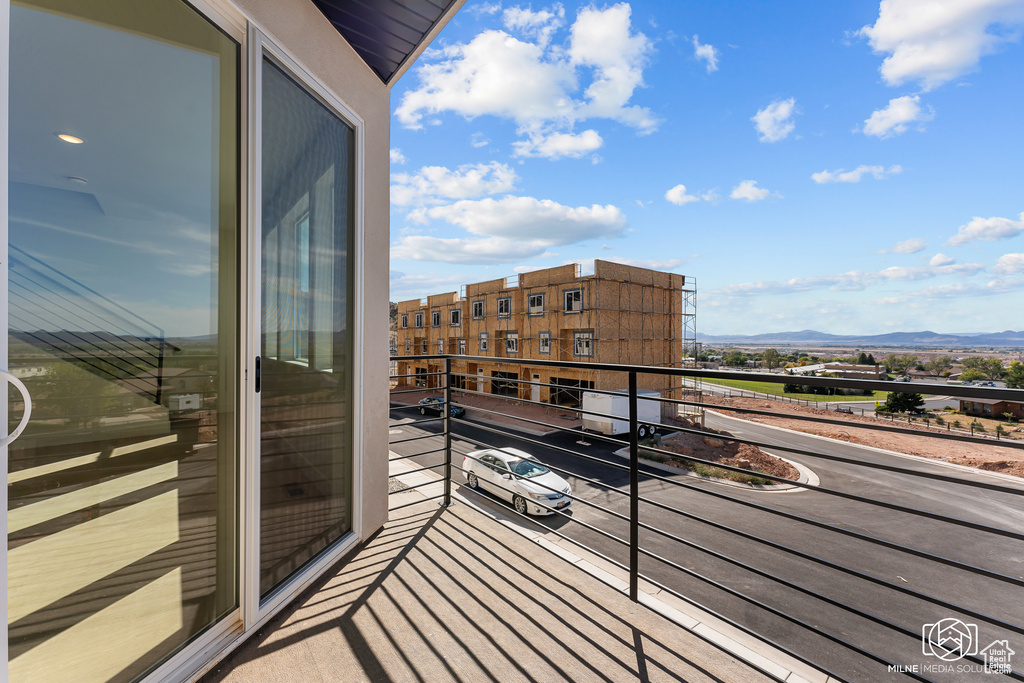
(432, 405)
(518, 477)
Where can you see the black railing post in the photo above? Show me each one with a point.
(634, 492)
(447, 433)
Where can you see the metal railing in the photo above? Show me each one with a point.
(858, 569)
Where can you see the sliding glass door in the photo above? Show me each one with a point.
(122, 325)
(307, 207)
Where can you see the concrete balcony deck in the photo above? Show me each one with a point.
(454, 595)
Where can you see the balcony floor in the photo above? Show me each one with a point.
(451, 595)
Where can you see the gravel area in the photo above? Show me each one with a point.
(991, 457)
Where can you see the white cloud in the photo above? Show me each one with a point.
(911, 246)
(479, 140)
(749, 191)
(677, 195)
(853, 280)
(1008, 264)
(540, 25)
(397, 157)
(545, 87)
(404, 286)
(896, 116)
(933, 42)
(482, 8)
(434, 184)
(987, 230)
(557, 145)
(508, 229)
(774, 122)
(941, 259)
(854, 176)
(708, 53)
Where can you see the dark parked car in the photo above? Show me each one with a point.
(432, 405)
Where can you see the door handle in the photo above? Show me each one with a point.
(257, 379)
(20, 386)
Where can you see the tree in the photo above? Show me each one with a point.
(771, 358)
(939, 364)
(1015, 375)
(733, 357)
(990, 367)
(899, 402)
(871, 359)
(899, 364)
(972, 375)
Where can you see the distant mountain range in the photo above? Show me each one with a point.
(926, 338)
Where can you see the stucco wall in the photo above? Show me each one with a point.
(303, 30)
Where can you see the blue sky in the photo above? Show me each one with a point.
(853, 168)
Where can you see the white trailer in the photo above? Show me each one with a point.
(648, 412)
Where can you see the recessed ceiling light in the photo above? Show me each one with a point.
(78, 180)
(66, 137)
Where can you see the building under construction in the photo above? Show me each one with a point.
(621, 314)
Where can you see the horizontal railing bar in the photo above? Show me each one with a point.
(415, 438)
(846, 532)
(422, 469)
(570, 518)
(417, 374)
(789, 584)
(860, 463)
(848, 496)
(553, 447)
(618, 564)
(414, 455)
(415, 391)
(745, 629)
(544, 486)
(415, 502)
(404, 407)
(877, 385)
(777, 612)
(420, 422)
(542, 424)
(882, 427)
(416, 486)
(608, 487)
(832, 565)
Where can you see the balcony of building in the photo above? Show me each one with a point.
(851, 569)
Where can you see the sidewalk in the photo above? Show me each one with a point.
(478, 404)
(737, 646)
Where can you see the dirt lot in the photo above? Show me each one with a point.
(993, 458)
(714, 445)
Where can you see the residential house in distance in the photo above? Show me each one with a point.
(845, 370)
(619, 315)
(991, 408)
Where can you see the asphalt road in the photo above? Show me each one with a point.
(762, 515)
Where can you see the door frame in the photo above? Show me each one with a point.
(255, 612)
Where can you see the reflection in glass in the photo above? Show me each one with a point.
(306, 451)
(123, 325)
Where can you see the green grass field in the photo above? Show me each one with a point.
(776, 389)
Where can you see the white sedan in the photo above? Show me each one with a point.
(517, 476)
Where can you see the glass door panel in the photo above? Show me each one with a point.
(306, 347)
(122, 323)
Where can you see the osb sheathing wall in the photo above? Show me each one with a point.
(635, 315)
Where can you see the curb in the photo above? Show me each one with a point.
(908, 456)
(807, 476)
(689, 617)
